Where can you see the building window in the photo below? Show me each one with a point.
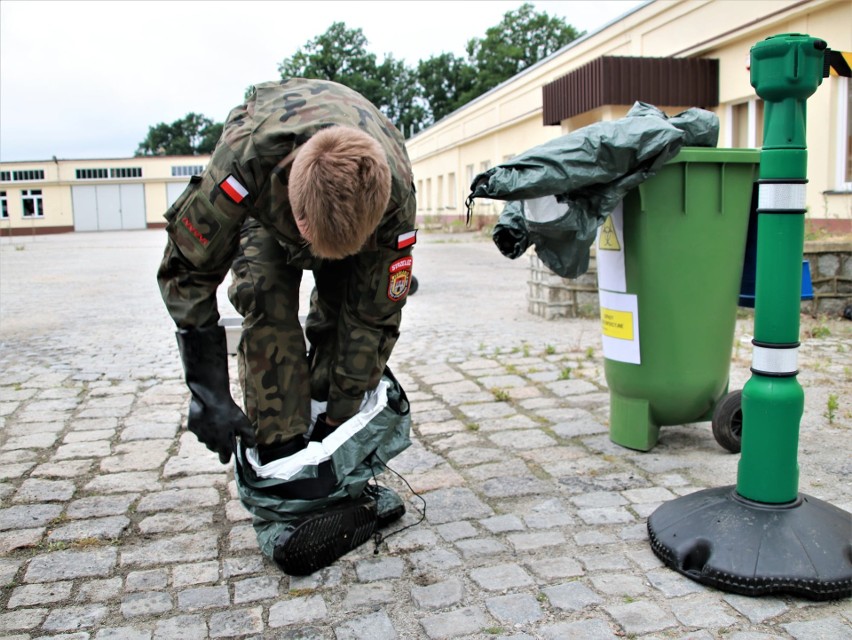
(440, 192)
(4, 206)
(451, 191)
(27, 175)
(419, 191)
(844, 129)
(429, 193)
(190, 170)
(32, 203)
(126, 172)
(91, 174)
(5, 176)
(468, 170)
(747, 124)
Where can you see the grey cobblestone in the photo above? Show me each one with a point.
(116, 524)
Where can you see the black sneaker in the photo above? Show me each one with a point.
(389, 506)
(317, 540)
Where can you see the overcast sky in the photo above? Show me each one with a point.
(87, 79)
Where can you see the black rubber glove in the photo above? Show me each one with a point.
(321, 428)
(214, 417)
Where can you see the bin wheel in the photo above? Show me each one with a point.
(728, 421)
(412, 288)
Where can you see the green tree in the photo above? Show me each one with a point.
(192, 135)
(522, 38)
(446, 82)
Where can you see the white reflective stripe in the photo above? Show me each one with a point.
(783, 196)
(775, 360)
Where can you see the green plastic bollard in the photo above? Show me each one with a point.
(763, 536)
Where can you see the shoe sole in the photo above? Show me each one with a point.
(321, 539)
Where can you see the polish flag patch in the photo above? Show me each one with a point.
(406, 239)
(234, 190)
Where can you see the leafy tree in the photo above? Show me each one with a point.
(340, 55)
(522, 38)
(192, 135)
(447, 83)
(402, 101)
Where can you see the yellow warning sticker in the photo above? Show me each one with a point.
(609, 238)
(617, 324)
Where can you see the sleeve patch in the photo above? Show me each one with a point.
(406, 239)
(233, 189)
(399, 278)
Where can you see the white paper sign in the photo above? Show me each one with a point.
(610, 252)
(620, 326)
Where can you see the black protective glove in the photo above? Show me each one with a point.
(214, 417)
(321, 428)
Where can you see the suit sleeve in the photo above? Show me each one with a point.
(203, 228)
(370, 316)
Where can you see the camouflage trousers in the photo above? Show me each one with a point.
(277, 376)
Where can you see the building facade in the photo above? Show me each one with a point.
(675, 54)
(672, 53)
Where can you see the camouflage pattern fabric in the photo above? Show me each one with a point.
(238, 213)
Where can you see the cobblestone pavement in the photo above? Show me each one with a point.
(116, 524)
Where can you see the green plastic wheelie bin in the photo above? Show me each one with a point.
(670, 262)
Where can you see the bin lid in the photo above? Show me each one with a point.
(716, 155)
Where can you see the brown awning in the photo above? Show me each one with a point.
(622, 80)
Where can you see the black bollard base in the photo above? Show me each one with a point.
(718, 538)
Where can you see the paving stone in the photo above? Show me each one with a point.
(757, 610)
(586, 629)
(515, 609)
(450, 505)
(203, 598)
(456, 623)
(241, 566)
(180, 548)
(672, 584)
(619, 585)
(29, 516)
(641, 617)
(239, 622)
(97, 528)
(571, 596)
(411, 540)
(379, 569)
(360, 596)
(821, 628)
(439, 595)
(499, 577)
(123, 482)
(556, 568)
(88, 436)
(99, 590)
(98, 506)
(22, 619)
(123, 633)
(14, 471)
(702, 611)
(20, 539)
(297, 611)
(35, 594)
(99, 449)
(456, 531)
(520, 440)
(178, 499)
(648, 495)
(604, 562)
(480, 547)
(374, 626)
(503, 524)
(67, 565)
(146, 603)
(73, 618)
(181, 628)
(532, 541)
(471, 456)
(200, 572)
(616, 515)
(510, 486)
(38, 490)
(175, 522)
(594, 537)
(43, 440)
(150, 580)
(435, 560)
(242, 538)
(254, 589)
(136, 456)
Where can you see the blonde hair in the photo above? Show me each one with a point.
(339, 190)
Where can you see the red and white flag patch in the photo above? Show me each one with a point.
(233, 189)
(406, 239)
(399, 278)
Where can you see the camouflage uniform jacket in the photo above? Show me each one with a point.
(247, 176)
